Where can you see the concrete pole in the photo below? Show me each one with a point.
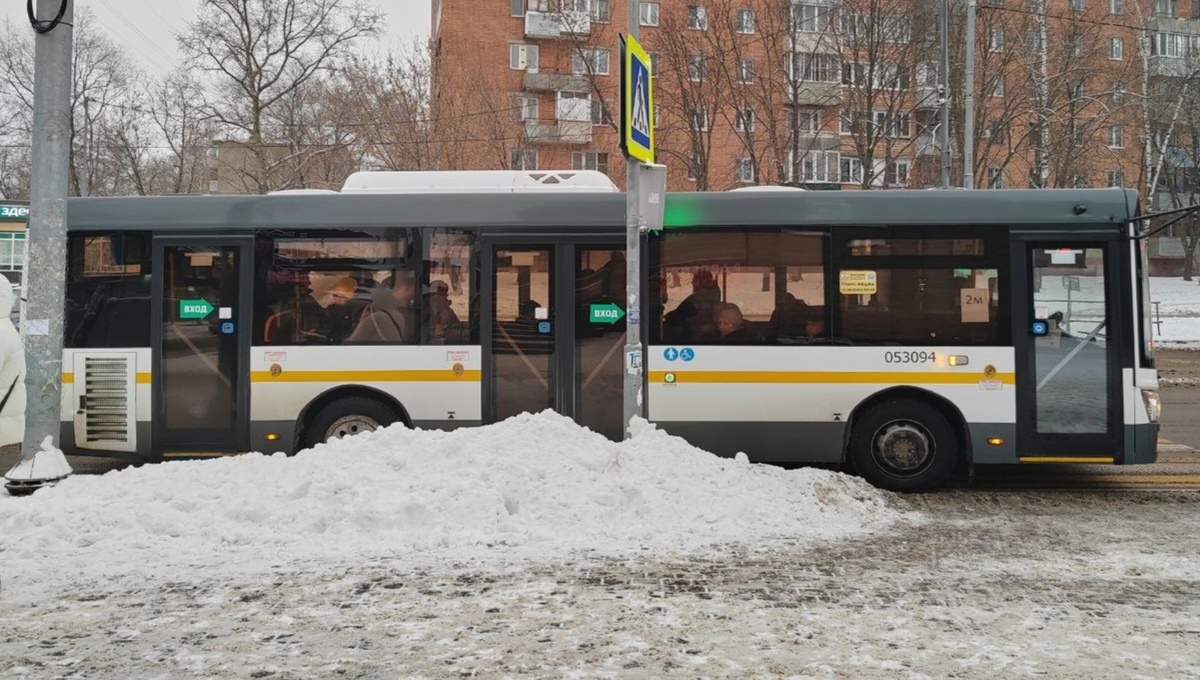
(945, 78)
(969, 110)
(46, 246)
(633, 270)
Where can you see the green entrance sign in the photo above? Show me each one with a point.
(194, 309)
(606, 313)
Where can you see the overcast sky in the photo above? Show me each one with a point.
(148, 27)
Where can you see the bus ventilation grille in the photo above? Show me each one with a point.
(106, 399)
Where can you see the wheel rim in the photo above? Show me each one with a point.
(903, 448)
(350, 425)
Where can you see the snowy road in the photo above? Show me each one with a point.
(990, 584)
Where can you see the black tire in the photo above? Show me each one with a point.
(904, 445)
(345, 417)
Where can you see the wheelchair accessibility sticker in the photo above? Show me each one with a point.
(685, 353)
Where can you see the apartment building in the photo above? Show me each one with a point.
(830, 94)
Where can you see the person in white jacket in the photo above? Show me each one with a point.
(12, 371)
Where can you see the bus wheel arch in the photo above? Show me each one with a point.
(926, 416)
(374, 404)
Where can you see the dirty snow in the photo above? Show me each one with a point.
(535, 549)
(1178, 311)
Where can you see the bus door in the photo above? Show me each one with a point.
(1066, 328)
(202, 290)
(555, 331)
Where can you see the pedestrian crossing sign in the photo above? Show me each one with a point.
(637, 103)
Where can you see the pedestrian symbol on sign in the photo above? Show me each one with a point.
(637, 103)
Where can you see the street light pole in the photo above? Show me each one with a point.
(945, 83)
(969, 110)
(46, 245)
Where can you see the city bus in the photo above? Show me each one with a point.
(906, 335)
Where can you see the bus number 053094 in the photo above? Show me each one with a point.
(909, 357)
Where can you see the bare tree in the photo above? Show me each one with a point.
(261, 52)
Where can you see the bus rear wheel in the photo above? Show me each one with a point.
(904, 446)
(346, 417)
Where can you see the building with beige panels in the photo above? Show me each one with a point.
(820, 93)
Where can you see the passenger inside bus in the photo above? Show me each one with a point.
(321, 317)
(443, 324)
(731, 326)
(696, 316)
(391, 317)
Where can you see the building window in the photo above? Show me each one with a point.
(898, 173)
(653, 64)
(698, 120)
(1164, 8)
(805, 121)
(1075, 91)
(600, 113)
(648, 14)
(1116, 137)
(657, 115)
(1077, 5)
(1117, 92)
(590, 61)
(693, 167)
(1116, 6)
(590, 160)
(996, 40)
(697, 68)
(516, 8)
(892, 123)
(995, 178)
(850, 171)
(1116, 49)
(744, 170)
(523, 57)
(745, 21)
(601, 11)
(524, 159)
(816, 166)
(927, 74)
(524, 108)
(698, 18)
(743, 120)
(815, 68)
(1116, 178)
(810, 18)
(746, 71)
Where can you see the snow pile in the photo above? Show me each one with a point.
(46, 463)
(532, 487)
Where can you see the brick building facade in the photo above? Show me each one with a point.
(821, 93)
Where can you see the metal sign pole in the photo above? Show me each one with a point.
(633, 264)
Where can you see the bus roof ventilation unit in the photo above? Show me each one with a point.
(478, 182)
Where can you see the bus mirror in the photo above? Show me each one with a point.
(652, 195)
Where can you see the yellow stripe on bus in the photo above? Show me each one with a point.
(441, 375)
(142, 378)
(880, 377)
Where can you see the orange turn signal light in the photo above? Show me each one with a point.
(995, 441)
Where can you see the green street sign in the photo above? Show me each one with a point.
(194, 309)
(606, 313)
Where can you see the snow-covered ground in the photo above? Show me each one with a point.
(534, 548)
(1179, 311)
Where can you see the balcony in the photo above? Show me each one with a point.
(926, 98)
(555, 82)
(816, 94)
(557, 25)
(931, 145)
(559, 132)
